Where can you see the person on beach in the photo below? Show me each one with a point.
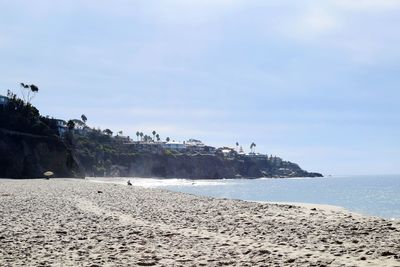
(129, 182)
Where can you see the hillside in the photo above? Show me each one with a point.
(102, 155)
(31, 144)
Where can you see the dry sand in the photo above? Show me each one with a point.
(79, 223)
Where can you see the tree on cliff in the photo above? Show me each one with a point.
(84, 118)
(28, 92)
(252, 146)
(71, 125)
(108, 132)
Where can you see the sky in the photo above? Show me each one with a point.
(314, 82)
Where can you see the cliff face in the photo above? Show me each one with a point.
(201, 167)
(29, 156)
(182, 166)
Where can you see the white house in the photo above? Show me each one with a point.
(193, 145)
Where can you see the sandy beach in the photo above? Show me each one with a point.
(62, 222)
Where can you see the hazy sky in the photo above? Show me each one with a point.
(315, 82)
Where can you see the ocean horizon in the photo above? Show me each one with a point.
(373, 195)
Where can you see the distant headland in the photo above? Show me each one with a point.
(32, 144)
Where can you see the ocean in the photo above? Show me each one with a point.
(375, 195)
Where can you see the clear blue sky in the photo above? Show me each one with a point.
(315, 82)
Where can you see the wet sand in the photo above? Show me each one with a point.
(79, 223)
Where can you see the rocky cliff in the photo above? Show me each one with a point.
(197, 167)
(30, 145)
(29, 156)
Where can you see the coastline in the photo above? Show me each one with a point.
(65, 222)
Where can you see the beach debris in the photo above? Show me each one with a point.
(129, 182)
(99, 192)
(48, 174)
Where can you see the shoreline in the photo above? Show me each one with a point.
(153, 183)
(69, 222)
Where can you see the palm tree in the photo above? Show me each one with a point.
(252, 146)
(158, 137)
(154, 135)
(141, 136)
(168, 139)
(137, 135)
(237, 145)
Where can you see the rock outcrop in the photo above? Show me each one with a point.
(26, 155)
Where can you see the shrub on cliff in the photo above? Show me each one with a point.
(19, 116)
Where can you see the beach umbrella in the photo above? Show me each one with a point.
(48, 173)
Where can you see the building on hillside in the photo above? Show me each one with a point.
(227, 152)
(257, 156)
(3, 100)
(194, 142)
(79, 126)
(209, 150)
(195, 146)
(241, 151)
(61, 126)
(175, 146)
(151, 147)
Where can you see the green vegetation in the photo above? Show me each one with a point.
(98, 152)
(21, 116)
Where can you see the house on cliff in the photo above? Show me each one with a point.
(151, 147)
(175, 146)
(193, 145)
(3, 100)
(197, 146)
(61, 126)
(227, 152)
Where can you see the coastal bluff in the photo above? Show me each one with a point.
(202, 167)
(31, 144)
(26, 155)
